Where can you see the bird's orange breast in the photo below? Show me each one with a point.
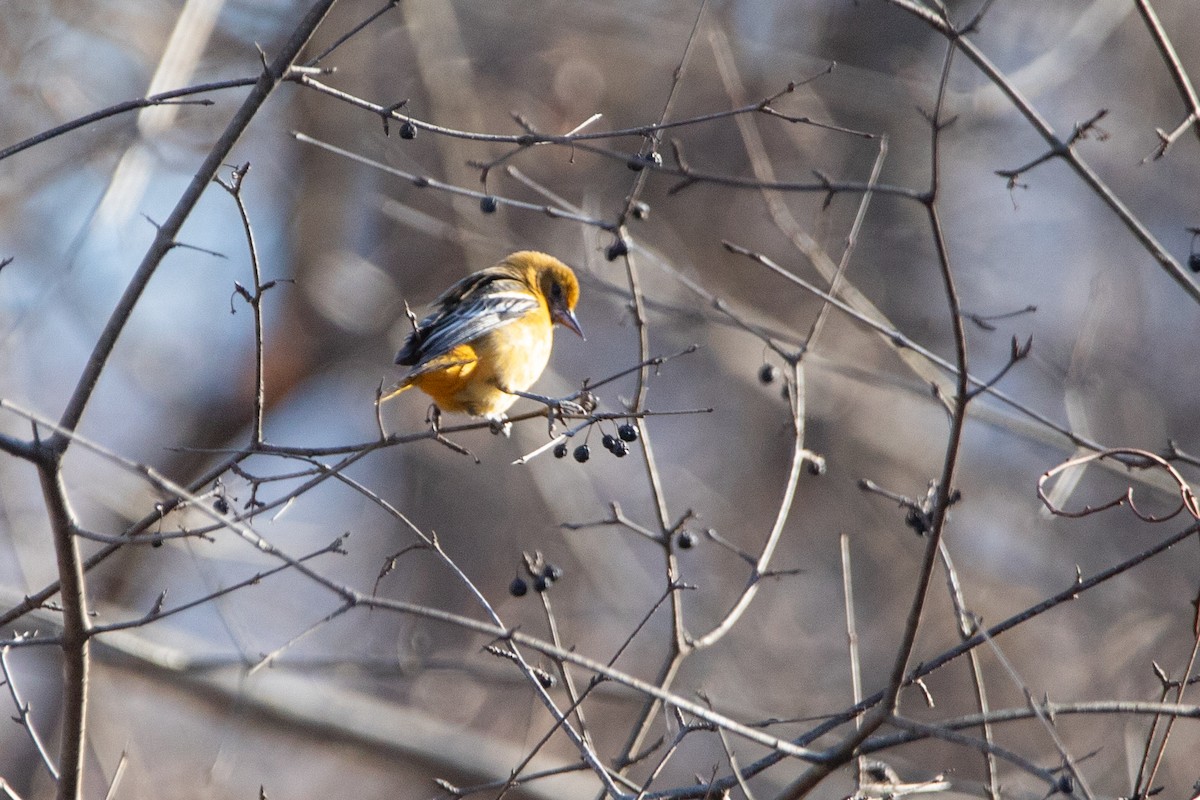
(476, 374)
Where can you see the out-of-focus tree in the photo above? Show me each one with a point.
(888, 306)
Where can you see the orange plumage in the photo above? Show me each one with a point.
(490, 335)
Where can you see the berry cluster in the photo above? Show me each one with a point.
(544, 575)
(617, 445)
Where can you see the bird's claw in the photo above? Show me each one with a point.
(564, 406)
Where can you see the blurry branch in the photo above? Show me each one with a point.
(925, 730)
(592, 685)
(1078, 587)
(677, 647)
(422, 182)
(1182, 82)
(1145, 781)
(75, 636)
(254, 299)
(504, 784)
(1079, 132)
(852, 644)
(351, 597)
(348, 35)
(23, 712)
(902, 343)
(580, 138)
(960, 401)
(968, 625)
(162, 98)
(164, 240)
(1058, 147)
(581, 738)
(1048, 708)
(268, 659)
(889, 705)
(157, 612)
(618, 517)
(1131, 458)
(582, 141)
(573, 695)
(38, 599)
(762, 566)
(49, 453)
(18, 447)
(851, 242)
(734, 768)
(1049, 724)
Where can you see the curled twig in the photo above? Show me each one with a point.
(1134, 459)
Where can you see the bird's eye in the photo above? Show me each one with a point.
(555, 291)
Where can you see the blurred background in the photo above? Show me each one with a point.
(377, 704)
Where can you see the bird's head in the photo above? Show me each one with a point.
(557, 284)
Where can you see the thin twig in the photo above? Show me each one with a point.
(164, 239)
(852, 644)
(1043, 129)
(768, 551)
(1182, 82)
(120, 108)
(23, 714)
(234, 188)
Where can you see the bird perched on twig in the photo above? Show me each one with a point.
(489, 336)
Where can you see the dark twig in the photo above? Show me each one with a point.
(345, 37)
(120, 108)
(255, 298)
(1043, 128)
(164, 240)
(1182, 82)
(23, 712)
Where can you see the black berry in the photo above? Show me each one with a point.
(628, 432)
(686, 540)
(487, 204)
(560, 450)
(619, 448)
(767, 373)
(518, 587)
(639, 162)
(221, 505)
(552, 572)
(408, 130)
(616, 250)
(541, 584)
(583, 453)
(608, 441)
(918, 521)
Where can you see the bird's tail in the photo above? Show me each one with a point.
(392, 391)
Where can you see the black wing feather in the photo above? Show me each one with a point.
(476, 305)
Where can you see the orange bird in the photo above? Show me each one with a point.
(490, 335)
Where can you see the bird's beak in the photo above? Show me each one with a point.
(566, 318)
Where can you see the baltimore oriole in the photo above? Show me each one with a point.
(490, 335)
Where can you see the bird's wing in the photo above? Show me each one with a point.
(464, 321)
